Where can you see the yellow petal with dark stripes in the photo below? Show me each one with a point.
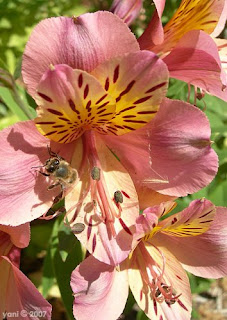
(191, 15)
(70, 102)
(138, 82)
(193, 221)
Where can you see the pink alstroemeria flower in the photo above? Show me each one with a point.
(127, 10)
(18, 295)
(92, 95)
(185, 45)
(155, 269)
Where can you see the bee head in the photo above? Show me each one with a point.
(52, 165)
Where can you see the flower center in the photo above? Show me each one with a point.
(105, 203)
(154, 277)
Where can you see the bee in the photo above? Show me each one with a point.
(60, 171)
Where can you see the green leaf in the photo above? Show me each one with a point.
(63, 268)
(48, 278)
(218, 195)
(141, 316)
(6, 96)
(129, 304)
(17, 72)
(198, 284)
(66, 241)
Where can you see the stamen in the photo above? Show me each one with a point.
(154, 277)
(102, 202)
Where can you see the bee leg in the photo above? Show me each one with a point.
(44, 174)
(54, 185)
(53, 154)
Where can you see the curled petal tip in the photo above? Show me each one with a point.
(52, 67)
(75, 19)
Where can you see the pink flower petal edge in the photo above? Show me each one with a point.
(100, 291)
(153, 34)
(91, 39)
(19, 236)
(206, 253)
(127, 10)
(23, 191)
(179, 136)
(21, 295)
(195, 60)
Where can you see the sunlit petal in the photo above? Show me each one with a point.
(138, 82)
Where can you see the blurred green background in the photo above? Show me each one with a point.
(53, 248)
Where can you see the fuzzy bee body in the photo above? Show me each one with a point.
(61, 171)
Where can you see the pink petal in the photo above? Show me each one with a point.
(195, 60)
(222, 20)
(100, 290)
(153, 34)
(70, 102)
(19, 236)
(206, 254)
(23, 191)
(197, 15)
(172, 154)
(108, 226)
(81, 43)
(138, 81)
(147, 224)
(173, 275)
(150, 198)
(127, 10)
(222, 50)
(18, 294)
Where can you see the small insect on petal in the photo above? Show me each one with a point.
(78, 228)
(95, 173)
(118, 197)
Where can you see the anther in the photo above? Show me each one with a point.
(78, 228)
(95, 173)
(118, 197)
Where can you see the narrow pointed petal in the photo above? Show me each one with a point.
(23, 191)
(19, 236)
(154, 33)
(108, 225)
(191, 15)
(70, 102)
(169, 138)
(173, 275)
(81, 43)
(192, 221)
(18, 293)
(138, 82)
(206, 254)
(127, 10)
(195, 60)
(100, 291)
